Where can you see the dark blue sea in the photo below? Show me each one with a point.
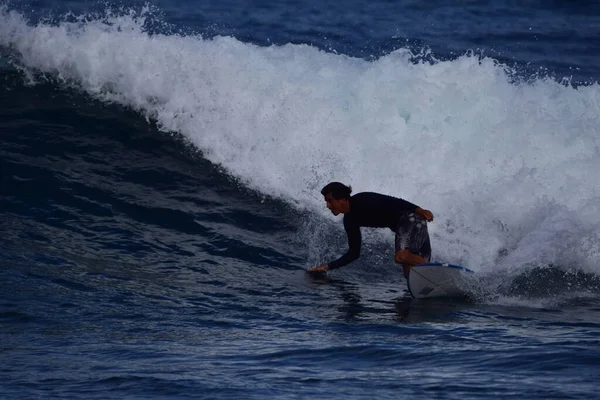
(160, 173)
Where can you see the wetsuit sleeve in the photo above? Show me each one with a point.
(354, 242)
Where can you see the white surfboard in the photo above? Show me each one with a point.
(439, 280)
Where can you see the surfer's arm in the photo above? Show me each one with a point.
(426, 214)
(354, 242)
(410, 207)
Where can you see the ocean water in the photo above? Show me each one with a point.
(160, 169)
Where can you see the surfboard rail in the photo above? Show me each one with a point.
(438, 280)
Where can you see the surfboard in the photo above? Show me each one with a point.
(439, 280)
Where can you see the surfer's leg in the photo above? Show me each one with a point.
(412, 242)
(408, 259)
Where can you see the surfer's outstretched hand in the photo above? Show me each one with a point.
(319, 270)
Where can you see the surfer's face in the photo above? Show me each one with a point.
(336, 206)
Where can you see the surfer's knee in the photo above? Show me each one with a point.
(402, 256)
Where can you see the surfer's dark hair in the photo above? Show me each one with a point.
(338, 190)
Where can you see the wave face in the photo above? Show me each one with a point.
(505, 166)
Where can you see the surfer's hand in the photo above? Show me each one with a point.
(428, 215)
(319, 270)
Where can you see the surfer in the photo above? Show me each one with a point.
(368, 209)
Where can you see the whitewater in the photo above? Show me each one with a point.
(508, 164)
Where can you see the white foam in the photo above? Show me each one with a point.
(506, 168)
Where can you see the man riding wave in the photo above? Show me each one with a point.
(375, 210)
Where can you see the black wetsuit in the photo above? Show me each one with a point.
(381, 211)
